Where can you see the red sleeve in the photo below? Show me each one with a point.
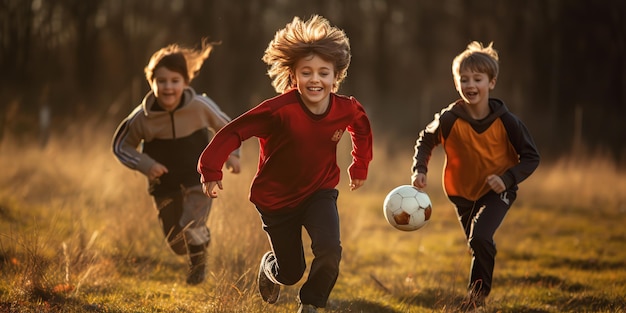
(255, 122)
(361, 134)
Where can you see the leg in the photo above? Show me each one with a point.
(485, 223)
(170, 211)
(196, 208)
(195, 213)
(322, 223)
(284, 232)
(285, 264)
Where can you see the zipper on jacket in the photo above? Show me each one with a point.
(173, 125)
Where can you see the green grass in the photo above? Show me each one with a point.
(78, 233)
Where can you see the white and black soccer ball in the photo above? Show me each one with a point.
(407, 208)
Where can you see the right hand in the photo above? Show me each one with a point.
(156, 171)
(419, 181)
(209, 188)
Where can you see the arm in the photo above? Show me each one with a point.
(428, 139)
(525, 146)
(255, 122)
(361, 135)
(126, 140)
(218, 119)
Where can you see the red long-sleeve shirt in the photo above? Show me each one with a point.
(298, 150)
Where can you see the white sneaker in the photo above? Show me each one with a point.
(269, 290)
(307, 308)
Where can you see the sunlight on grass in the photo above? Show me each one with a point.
(78, 233)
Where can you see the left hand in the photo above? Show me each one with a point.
(496, 183)
(356, 184)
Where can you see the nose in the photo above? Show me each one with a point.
(316, 77)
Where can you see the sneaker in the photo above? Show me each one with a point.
(269, 290)
(307, 308)
(473, 303)
(197, 264)
(196, 274)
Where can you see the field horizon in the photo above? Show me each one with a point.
(78, 233)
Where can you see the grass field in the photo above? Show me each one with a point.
(78, 233)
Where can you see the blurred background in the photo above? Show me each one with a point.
(563, 62)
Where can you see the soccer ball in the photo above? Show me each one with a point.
(407, 208)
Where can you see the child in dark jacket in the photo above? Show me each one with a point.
(163, 137)
(488, 152)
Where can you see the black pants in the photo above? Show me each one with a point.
(480, 220)
(318, 215)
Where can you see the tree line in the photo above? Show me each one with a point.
(563, 63)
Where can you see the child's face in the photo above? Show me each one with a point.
(168, 87)
(314, 77)
(474, 87)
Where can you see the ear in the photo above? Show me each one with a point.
(292, 79)
(492, 83)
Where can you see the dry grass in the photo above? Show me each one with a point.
(78, 233)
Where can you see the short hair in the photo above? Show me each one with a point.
(477, 58)
(185, 61)
(301, 39)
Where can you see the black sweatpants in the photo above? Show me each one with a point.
(318, 215)
(480, 219)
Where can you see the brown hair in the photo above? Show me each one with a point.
(477, 58)
(185, 61)
(301, 39)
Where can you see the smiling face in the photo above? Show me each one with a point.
(314, 77)
(474, 87)
(168, 87)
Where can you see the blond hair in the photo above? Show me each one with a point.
(477, 58)
(301, 39)
(186, 61)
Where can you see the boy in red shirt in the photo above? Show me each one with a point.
(298, 132)
(489, 152)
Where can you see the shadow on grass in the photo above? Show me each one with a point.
(591, 304)
(137, 265)
(47, 300)
(434, 298)
(361, 305)
(547, 281)
(587, 264)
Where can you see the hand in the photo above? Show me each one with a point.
(356, 184)
(209, 188)
(156, 171)
(496, 183)
(419, 181)
(232, 164)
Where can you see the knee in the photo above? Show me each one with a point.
(329, 253)
(198, 235)
(482, 244)
(291, 278)
(326, 246)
